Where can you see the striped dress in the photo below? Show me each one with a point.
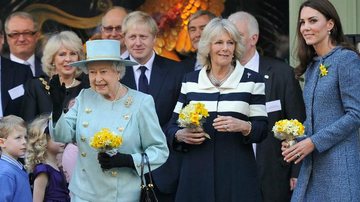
(222, 168)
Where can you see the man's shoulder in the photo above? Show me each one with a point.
(7, 63)
(161, 59)
(174, 66)
(276, 64)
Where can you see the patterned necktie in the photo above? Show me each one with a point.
(143, 81)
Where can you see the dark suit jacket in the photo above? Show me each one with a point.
(12, 75)
(189, 62)
(164, 86)
(38, 68)
(37, 98)
(274, 173)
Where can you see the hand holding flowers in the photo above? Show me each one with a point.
(288, 130)
(193, 116)
(106, 141)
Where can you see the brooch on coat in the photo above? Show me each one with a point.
(323, 70)
(128, 101)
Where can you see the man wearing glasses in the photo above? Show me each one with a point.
(111, 27)
(12, 78)
(22, 35)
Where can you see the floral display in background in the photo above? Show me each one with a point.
(106, 141)
(288, 130)
(172, 17)
(193, 116)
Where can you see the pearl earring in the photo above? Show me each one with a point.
(329, 32)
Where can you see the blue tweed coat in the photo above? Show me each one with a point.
(332, 171)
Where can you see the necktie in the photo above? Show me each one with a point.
(143, 81)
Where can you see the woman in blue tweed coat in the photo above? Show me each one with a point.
(331, 150)
(222, 168)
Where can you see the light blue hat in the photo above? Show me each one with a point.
(102, 50)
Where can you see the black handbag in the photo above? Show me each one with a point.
(147, 186)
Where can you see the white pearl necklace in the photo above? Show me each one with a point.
(72, 83)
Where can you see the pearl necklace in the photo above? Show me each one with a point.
(72, 84)
(216, 82)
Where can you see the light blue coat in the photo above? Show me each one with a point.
(332, 171)
(134, 117)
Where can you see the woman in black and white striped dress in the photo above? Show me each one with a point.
(222, 168)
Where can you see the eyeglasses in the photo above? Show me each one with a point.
(16, 35)
(109, 29)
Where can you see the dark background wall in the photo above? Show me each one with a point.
(273, 17)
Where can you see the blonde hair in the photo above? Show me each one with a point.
(139, 17)
(70, 41)
(214, 28)
(37, 142)
(10, 123)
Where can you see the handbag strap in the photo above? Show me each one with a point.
(145, 162)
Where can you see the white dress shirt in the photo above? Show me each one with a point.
(253, 63)
(137, 70)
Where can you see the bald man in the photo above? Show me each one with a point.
(111, 27)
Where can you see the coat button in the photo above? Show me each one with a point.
(85, 124)
(83, 138)
(83, 154)
(120, 129)
(126, 116)
(88, 110)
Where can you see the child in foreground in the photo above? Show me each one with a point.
(50, 183)
(14, 180)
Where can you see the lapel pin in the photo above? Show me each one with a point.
(248, 75)
(266, 76)
(128, 101)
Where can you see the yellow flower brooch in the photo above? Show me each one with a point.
(323, 70)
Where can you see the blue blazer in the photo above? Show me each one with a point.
(332, 104)
(12, 75)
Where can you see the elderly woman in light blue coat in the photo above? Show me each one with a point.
(129, 113)
(331, 150)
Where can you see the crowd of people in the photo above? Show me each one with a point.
(52, 107)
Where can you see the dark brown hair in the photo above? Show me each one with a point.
(304, 52)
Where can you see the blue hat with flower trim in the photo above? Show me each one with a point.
(102, 50)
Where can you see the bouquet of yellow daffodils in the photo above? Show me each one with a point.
(193, 115)
(106, 141)
(288, 130)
